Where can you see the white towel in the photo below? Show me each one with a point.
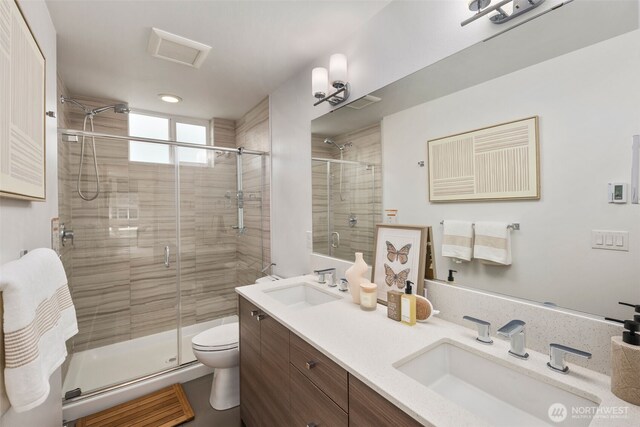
(38, 318)
(493, 242)
(457, 240)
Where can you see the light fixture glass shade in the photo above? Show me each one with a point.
(319, 82)
(338, 70)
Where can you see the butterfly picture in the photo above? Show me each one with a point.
(401, 255)
(395, 279)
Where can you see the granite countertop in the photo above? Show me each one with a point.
(367, 344)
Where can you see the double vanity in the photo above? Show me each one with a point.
(309, 356)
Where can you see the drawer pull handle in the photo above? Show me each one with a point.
(254, 312)
(312, 425)
(310, 365)
(260, 317)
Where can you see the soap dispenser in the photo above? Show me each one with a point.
(408, 306)
(451, 279)
(625, 361)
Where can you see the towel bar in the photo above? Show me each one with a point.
(512, 226)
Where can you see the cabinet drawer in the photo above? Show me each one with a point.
(310, 406)
(367, 408)
(322, 371)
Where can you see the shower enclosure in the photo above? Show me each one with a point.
(345, 207)
(155, 257)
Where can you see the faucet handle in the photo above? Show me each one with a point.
(484, 329)
(512, 328)
(557, 353)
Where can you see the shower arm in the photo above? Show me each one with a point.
(63, 99)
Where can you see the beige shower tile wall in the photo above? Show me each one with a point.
(360, 187)
(254, 246)
(121, 288)
(101, 252)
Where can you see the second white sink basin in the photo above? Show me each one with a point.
(499, 395)
(301, 295)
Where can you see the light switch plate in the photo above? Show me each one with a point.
(610, 240)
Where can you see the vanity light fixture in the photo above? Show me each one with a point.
(172, 99)
(481, 8)
(336, 76)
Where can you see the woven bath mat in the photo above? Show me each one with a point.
(168, 407)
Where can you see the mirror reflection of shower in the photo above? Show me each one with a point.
(330, 141)
(89, 113)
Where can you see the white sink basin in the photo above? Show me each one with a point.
(301, 295)
(498, 394)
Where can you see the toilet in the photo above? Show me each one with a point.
(218, 348)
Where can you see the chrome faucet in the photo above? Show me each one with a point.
(484, 329)
(514, 330)
(556, 357)
(322, 276)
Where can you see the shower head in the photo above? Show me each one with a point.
(117, 108)
(330, 141)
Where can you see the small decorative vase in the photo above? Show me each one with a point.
(357, 274)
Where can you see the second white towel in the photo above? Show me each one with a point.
(493, 242)
(457, 240)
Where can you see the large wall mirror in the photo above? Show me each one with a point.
(576, 68)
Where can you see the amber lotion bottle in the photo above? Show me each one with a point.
(408, 306)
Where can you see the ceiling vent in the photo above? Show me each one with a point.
(178, 49)
(363, 102)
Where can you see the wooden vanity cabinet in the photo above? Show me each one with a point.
(367, 408)
(285, 381)
(264, 368)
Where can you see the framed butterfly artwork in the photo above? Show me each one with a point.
(400, 254)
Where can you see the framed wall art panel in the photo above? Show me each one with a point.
(494, 163)
(22, 108)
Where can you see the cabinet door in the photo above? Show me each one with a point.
(367, 408)
(250, 369)
(322, 371)
(310, 406)
(274, 347)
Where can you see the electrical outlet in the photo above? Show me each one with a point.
(309, 240)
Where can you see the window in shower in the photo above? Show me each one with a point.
(147, 126)
(151, 125)
(194, 134)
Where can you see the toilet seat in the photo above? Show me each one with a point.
(219, 338)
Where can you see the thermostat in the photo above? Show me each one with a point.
(617, 192)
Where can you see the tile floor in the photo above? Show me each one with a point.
(198, 394)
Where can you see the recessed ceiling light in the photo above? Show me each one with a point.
(166, 97)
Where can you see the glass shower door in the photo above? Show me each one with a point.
(344, 208)
(122, 270)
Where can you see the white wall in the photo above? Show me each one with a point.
(588, 107)
(403, 38)
(26, 225)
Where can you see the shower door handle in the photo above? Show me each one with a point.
(166, 256)
(335, 239)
